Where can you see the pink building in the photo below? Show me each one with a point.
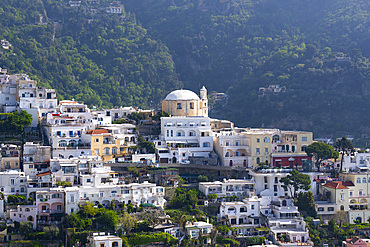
(354, 242)
(50, 206)
(24, 213)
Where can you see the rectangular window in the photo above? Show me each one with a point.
(304, 138)
(72, 198)
(258, 140)
(330, 208)
(179, 106)
(168, 134)
(257, 151)
(191, 105)
(266, 151)
(171, 133)
(320, 209)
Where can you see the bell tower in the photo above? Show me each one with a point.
(204, 101)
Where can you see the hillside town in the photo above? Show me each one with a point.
(170, 176)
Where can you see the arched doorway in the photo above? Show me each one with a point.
(358, 220)
(174, 160)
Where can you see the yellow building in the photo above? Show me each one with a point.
(104, 144)
(10, 157)
(186, 103)
(260, 145)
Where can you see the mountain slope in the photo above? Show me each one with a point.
(237, 46)
(85, 53)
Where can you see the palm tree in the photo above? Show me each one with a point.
(343, 145)
(180, 219)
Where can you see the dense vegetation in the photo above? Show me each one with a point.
(101, 59)
(318, 50)
(237, 46)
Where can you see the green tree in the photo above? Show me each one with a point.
(179, 218)
(107, 220)
(305, 202)
(295, 181)
(343, 146)
(127, 222)
(320, 151)
(51, 232)
(25, 228)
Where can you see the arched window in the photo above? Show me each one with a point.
(227, 154)
(180, 133)
(258, 160)
(266, 139)
(342, 208)
(72, 143)
(364, 180)
(303, 148)
(358, 180)
(62, 143)
(192, 133)
(106, 151)
(114, 150)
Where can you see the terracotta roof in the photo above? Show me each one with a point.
(43, 173)
(335, 185)
(97, 132)
(355, 240)
(348, 183)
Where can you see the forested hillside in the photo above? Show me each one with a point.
(99, 58)
(318, 51)
(238, 46)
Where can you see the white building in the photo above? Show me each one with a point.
(200, 228)
(232, 187)
(13, 182)
(286, 221)
(356, 162)
(119, 113)
(243, 215)
(184, 137)
(34, 152)
(268, 184)
(102, 240)
(64, 133)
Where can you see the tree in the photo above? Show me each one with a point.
(341, 217)
(212, 197)
(344, 146)
(295, 181)
(127, 222)
(305, 202)
(320, 151)
(153, 217)
(108, 220)
(25, 228)
(51, 232)
(179, 218)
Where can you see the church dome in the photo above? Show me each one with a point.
(182, 95)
